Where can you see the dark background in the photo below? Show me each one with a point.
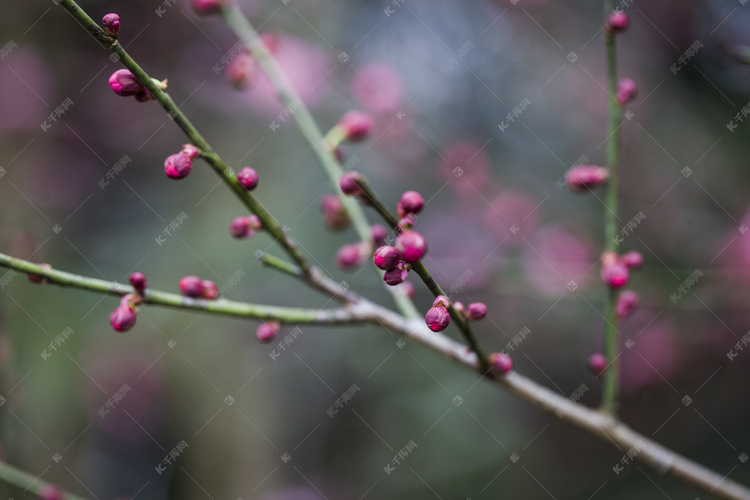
(681, 167)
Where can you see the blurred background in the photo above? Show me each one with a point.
(482, 107)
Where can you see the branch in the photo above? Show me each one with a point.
(29, 483)
(341, 316)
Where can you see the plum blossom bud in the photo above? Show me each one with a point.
(206, 7)
(210, 290)
(177, 166)
(334, 212)
(409, 289)
(191, 286)
(350, 183)
(379, 234)
(441, 301)
(412, 246)
(397, 275)
(476, 310)
(122, 318)
(386, 257)
(627, 302)
(267, 331)
(626, 91)
(437, 318)
(255, 222)
(190, 151)
(618, 21)
(35, 278)
(597, 364)
(51, 492)
(584, 177)
(349, 256)
(411, 203)
(240, 228)
(138, 280)
(460, 308)
(614, 273)
(356, 125)
(500, 363)
(248, 178)
(123, 83)
(111, 23)
(242, 70)
(633, 259)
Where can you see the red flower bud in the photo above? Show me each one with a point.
(267, 331)
(122, 318)
(240, 228)
(379, 234)
(584, 177)
(501, 363)
(334, 212)
(206, 7)
(138, 280)
(597, 364)
(210, 290)
(248, 178)
(349, 256)
(177, 166)
(111, 23)
(437, 318)
(386, 257)
(633, 259)
(397, 275)
(190, 151)
(51, 492)
(241, 70)
(356, 125)
(411, 203)
(123, 83)
(627, 302)
(191, 286)
(615, 275)
(411, 245)
(350, 183)
(626, 91)
(618, 21)
(476, 310)
(441, 301)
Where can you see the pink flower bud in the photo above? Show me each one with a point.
(626, 91)
(51, 492)
(585, 177)
(397, 275)
(411, 203)
(210, 290)
(190, 151)
(334, 212)
(240, 228)
(356, 125)
(386, 257)
(122, 318)
(633, 259)
(191, 286)
(138, 280)
(618, 21)
(271, 41)
(267, 331)
(476, 310)
(597, 364)
(131, 301)
(460, 308)
(255, 222)
(412, 246)
(350, 183)
(242, 70)
(349, 256)
(35, 278)
(123, 83)
(206, 7)
(379, 234)
(627, 302)
(177, 166)
(441, 301)
(437, 318)
(111, 23)
(500, 363)
(615, 275)
(248, 178)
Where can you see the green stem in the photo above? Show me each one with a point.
(270, 223)
(611, 376)
(27, 483)
(221, 306)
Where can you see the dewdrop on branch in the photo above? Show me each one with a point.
(177, 166)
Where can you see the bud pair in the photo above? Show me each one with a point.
(193, 286)
(123, 317)
(438, 318)
(244, 227)
(179, 165)
(583, 177)
(616, 268)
